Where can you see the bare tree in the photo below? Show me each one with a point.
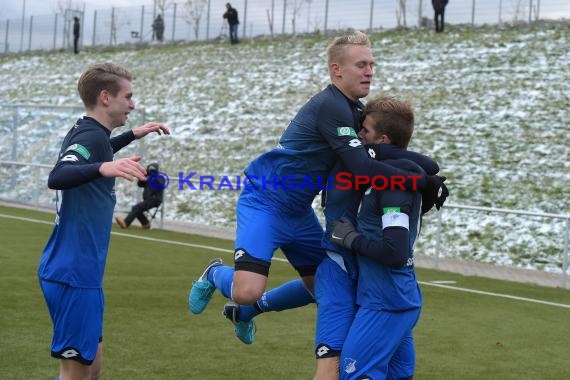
(295, 9)
(401, 13)
(163, 5)
(270, 21)
(519, 7)
(194, 10)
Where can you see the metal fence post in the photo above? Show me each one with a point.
(16, 121)
(244, 20)
(112, 26)
(438, 238)
(473, 13)
(174, 21)
(94, 26)
(142, 24)
(326, 16)
(30, 37)
(6, 38)
(565, 257)
(371, 15)
(208, 22)
(55, 31)
(420, 13)
(284, 13)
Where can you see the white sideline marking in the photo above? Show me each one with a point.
(141, 237)
(495, 294)
(284, 260)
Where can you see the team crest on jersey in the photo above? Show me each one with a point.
(346, 131)
(349, 365)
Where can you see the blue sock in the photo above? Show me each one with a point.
(222, 276)
(289, 295)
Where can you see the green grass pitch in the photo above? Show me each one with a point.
(150, 334)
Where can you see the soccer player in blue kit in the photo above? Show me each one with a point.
(275, 209)
(73, 261)
(336, 276)
(388, 296)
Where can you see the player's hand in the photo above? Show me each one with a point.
(144, 130)
(344, 233)
(128, 168)
(435, 193)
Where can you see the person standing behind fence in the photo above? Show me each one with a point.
(76, 28)
(232, 16)
(439, 8)
(158, 28)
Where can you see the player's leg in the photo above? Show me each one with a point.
(257, 236)
(290, 295)
(77, 316)
(403, 362)
(381, 332)
(336, 306)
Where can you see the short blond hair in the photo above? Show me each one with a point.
(335, 50)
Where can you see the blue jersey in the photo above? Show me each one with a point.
(76, 252)
(341, 202)
(324, 130)
(389, 222)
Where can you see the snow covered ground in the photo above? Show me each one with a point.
(491, 103)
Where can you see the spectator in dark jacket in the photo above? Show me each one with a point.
(439, 8)
(158, 28)
(76, 28)
(232, 16)
(152, 197)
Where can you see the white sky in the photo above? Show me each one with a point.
(13, 8)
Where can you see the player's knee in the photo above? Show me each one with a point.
(247, 294)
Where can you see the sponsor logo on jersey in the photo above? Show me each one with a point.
(78, 148)
(354, 143)
(371, 153)
(70, 158)
(346, 131)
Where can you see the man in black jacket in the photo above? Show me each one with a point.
(76, 28)
(232, 16)
(439, 8)
(152, 197)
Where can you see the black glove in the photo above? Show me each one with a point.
(434, 193)
(344, 233)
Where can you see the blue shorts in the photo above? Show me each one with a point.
(335, 294)
(77, 316)
(261, 230)
(380, 345)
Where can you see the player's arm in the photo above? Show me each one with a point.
(392, 251)
(382, 152)
(122, 140)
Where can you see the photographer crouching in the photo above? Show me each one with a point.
(152, 197)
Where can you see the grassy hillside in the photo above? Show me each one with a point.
(491, 107)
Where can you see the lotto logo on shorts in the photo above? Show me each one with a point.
(239, 254)
(69, 354)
